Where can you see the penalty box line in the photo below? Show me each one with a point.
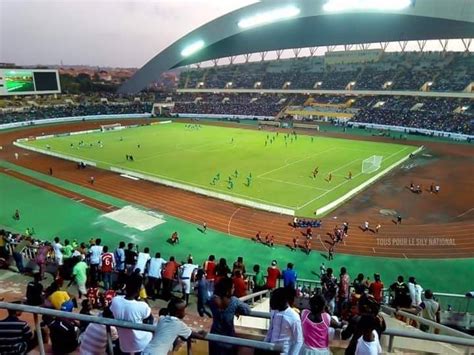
(345, 182)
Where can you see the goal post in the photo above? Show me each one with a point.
(371, 164)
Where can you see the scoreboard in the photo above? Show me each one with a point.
(19, 81)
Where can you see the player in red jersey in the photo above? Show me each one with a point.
(295, 243)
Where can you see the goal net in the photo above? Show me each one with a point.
(110, 127)
(371, 164)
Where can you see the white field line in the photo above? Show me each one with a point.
(230, 219)
(179, 149)
(111, 164)
(205, 187)
(345, 182)
(293, 183)
(295, 162)
(341, 167)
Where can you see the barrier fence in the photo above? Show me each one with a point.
(240, 342)
(460, 339)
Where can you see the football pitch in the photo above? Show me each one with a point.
(263, 167)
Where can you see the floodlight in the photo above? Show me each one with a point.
(389, 83)
(192, 48)
(429, 83)
(345, 5)
(279, 14)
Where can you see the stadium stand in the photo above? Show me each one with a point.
(77, 262)
(406, 71)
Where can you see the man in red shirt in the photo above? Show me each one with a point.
(209, 267)
(240, 287)
(376, 287)
(107, 264)
(169, 272)
(273, 274)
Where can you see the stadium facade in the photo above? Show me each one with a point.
(280, 25)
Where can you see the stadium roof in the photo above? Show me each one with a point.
(282, 24)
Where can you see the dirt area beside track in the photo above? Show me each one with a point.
(446, 218)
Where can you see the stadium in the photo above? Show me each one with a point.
(285, 162)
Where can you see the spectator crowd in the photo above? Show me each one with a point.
(121, 282)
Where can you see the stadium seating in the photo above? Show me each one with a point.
(406, 71)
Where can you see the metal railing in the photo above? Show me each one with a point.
(427, 322)
(241, 342)
(392, 333)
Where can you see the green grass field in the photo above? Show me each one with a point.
(281, 171)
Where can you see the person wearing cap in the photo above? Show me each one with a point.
(273, 274)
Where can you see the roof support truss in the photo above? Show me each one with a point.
(384, 45)
(467, 43)
(297, 52)
(263, 55)
(312, 51)
(444, 44)
(247, 57)
(330, 48)
(279, 52)
(403, 45)
(363, 46)
(232, 59)
(421, 45)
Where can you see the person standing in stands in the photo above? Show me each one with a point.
(224, 308)
(187, 274)
(402, 297)
(240, 286)
(273, 274)
(17, 253)
(329, 290)
(95, 254)
(315, 324)
(258, 279)
(169, 273)
(130, 258)
(107, 265)
(128, 309)
(119, 256)
(343, 289)
(16, 336)
(209, 267)
(430, 310)
(154, 275)
(285, 324)
(239, 266)
(34, 291)
(368, 343)
(203, 294)
(169, 328)
(79, 271)
(376, 288)
(142, 261)
(222, 270)
(289, 277)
